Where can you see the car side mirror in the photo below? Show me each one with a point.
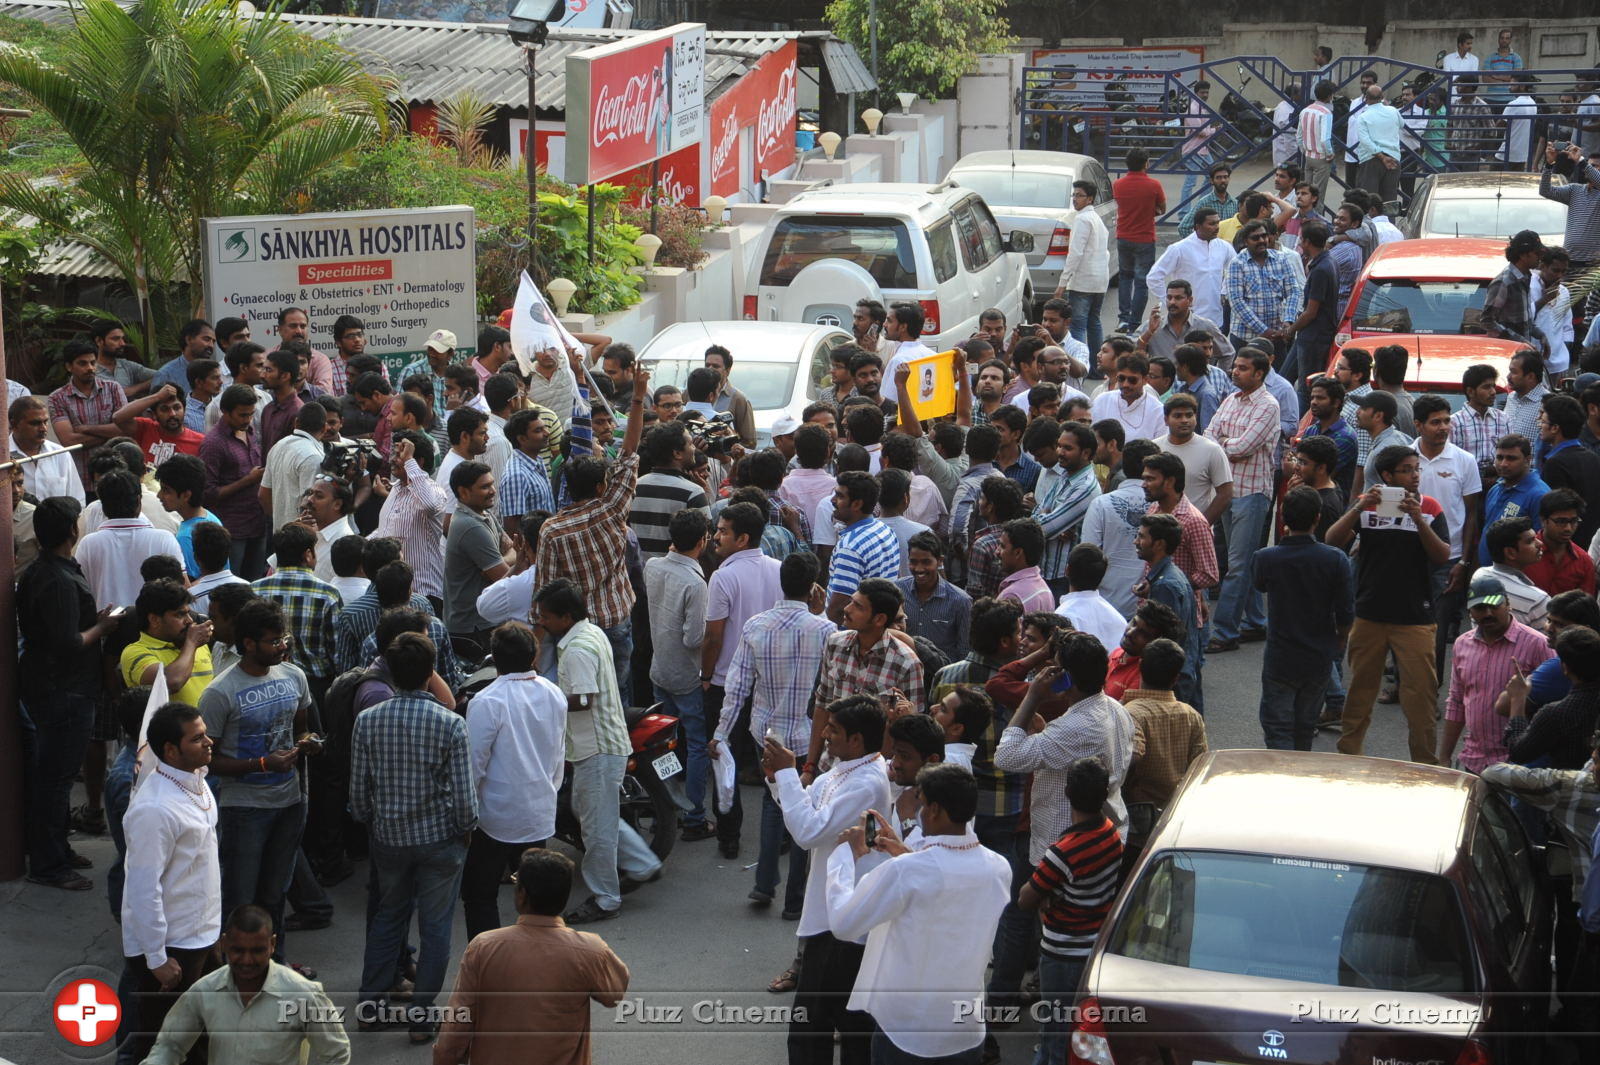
(1019, 241)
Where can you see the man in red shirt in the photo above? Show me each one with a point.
(1152, 621)
(1140, 200)
(1562, 567)
(164, 435)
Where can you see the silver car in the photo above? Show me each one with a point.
(1032, 191)
(778, 365)
(1487, 204)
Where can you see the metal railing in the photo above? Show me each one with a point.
(1453, 121)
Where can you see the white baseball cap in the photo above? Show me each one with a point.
(784, 426)
(442, 340)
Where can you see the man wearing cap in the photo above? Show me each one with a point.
(783, 436)
(1497, 648)
(437, 353)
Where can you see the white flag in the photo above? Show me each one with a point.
(534, 326)
(145, 759)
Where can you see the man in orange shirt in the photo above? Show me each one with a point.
(522, 993)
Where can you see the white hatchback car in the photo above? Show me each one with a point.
(937, 246)
(778, 365)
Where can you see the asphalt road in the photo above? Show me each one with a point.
(691, 939)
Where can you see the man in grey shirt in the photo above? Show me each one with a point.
(675, 590)
(472, 558)
(254, 710)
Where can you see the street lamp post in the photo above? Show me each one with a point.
(529, 26)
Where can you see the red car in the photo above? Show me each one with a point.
(1427, 295)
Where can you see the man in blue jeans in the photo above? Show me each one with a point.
(411, 785)
(1087, 272)
(1072, 890)
(774, 666)
(1311, 600)
(675, 592)
(254, 711)
(58, 682)
(1247, 427)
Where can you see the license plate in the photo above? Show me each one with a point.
(667, 766)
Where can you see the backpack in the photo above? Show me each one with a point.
(339, 713)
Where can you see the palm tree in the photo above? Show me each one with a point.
(185, 110)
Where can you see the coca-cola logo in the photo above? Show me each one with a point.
(776, 115)
(726, 143)
(671, 190)
(627, 115)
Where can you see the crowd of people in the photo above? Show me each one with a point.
(958, 654)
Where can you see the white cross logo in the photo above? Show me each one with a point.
(82, 1014)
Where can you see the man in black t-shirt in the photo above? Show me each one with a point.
(1319, 316)
(1400, 542)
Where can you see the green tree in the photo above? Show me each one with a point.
(184, 110)
(923, 45)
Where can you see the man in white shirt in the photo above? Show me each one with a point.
(172, 895)
(902, 327)
(1113, 522)
(112, 554)
(1200, 259)
(921, 970)
(516, 741)
(1131, 403)
(816, 816)
(511, 597)
(1520, 116)
(53, 474)
(1552, 303)
(1087, 272)
(468, 433)
(1463, 57)
(1208, 475)
(1450, 475)
(292, 465)
(330, 503)
(1084, 606)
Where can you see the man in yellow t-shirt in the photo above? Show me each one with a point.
(169, 640)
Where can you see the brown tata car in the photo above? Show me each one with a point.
(1326, 910)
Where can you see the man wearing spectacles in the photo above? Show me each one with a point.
(1564, 566)
(254, 712)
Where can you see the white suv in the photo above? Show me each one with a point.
(935, 246)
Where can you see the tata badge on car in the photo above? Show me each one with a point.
(404, 273)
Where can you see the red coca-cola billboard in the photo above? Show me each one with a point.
(634, 101)
(764, 102)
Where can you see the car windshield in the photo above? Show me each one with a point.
(1020, 188)
(767, 384)
(880, 246)
(1495, 216)
(1294, 919)
(1401, 305)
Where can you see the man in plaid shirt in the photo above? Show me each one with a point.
(775, 668)
(81, 410)
(311, 605)
(1478, 426)
(1262, 288)
(411, 785)
(999, 501)
(865, 657)
(587, 541)
(1508, 304)
(1247, 426)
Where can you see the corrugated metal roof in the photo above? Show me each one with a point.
(845, 68)
(433, 61)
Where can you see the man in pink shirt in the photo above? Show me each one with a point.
(1497, 648)
(1021, 548)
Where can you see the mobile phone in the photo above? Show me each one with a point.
(871, 825)
(887, 700)
(118, 612)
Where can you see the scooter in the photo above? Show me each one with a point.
(652, 783)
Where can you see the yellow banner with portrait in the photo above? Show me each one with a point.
(932, 386)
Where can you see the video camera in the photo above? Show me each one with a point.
(716, 435)
(350, 461)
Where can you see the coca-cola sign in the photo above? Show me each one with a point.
(763, 102)
(634, 101)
